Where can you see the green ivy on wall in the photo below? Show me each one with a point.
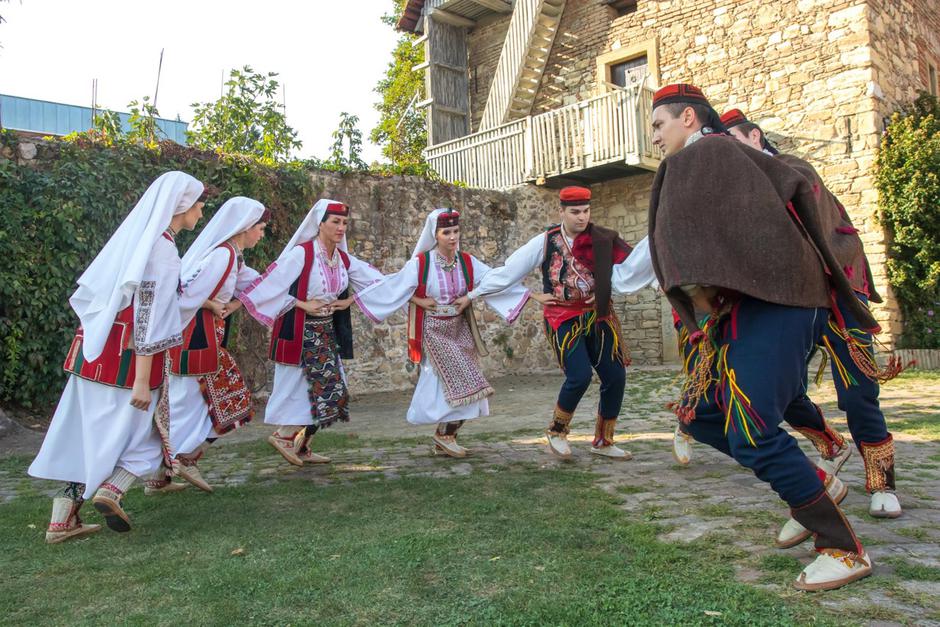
(908, 182)
(58, 210)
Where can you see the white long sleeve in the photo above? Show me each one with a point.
(267, 297)
(517, 267)
(380, 300)
(509, 302)
(635, 272)
(198, 290)
(361, 274)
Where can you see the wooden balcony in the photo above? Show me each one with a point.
(606, 137)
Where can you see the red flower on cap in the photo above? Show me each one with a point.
(574, 196)
(733, 117)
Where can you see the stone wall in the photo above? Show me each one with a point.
(818, 75)
(905, 36)
(388, 215)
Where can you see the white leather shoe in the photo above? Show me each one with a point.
(793, 533)
(833, 569)
(682, 447)
(884, 505)
(611, 451)
(834, 465)
(558, 445)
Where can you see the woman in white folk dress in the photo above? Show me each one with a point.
(208, 396)
(451, 386)
(102, 435)
(304, 297)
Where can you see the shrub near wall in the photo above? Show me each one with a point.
(58, 210)
(908, 182)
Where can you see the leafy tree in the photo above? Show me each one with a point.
(908, 181)
(347, 145)
(402, 130)
(247, 119)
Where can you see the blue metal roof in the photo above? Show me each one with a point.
(55, 118)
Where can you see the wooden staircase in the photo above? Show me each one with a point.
(525, 53)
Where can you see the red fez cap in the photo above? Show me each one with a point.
(336, 209)
(574, 196)
(448, 218)
(733, 118)
(680, 92)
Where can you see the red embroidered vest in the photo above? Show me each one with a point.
(115, 366)
(562, 274)
(287, 337)
(199, 354)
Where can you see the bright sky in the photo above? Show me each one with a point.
(329, 55)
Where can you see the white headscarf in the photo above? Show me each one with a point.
(233, 217)
(109, 283)
(428, 239)
(310, 227)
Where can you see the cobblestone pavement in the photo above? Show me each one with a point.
(713, 500)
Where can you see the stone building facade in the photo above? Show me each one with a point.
(821, 76)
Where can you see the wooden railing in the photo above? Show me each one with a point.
(491, 159)
(611, 128)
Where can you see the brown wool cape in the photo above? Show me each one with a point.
(725, 215)
(603, 241)
(844, 241)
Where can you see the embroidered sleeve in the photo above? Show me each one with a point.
(157, 325)
(267, 296)
(246, 276)
(383, 298)
(143, 311)
(509, 302)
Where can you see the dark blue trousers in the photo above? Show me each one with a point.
(594, 350)
(768, 347)
(857, 394)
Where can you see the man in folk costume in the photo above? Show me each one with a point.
(855, 372)
(581, 264)
(444, 343)
(304, 297)
(207, 393)
(102, 435)
(724, 219)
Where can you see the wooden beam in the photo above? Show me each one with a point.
(448, 66)
(500, 6)
(451, 18)
(439, 107)
(448, 110)
(421, 66)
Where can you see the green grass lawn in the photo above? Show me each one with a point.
(523, 546)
